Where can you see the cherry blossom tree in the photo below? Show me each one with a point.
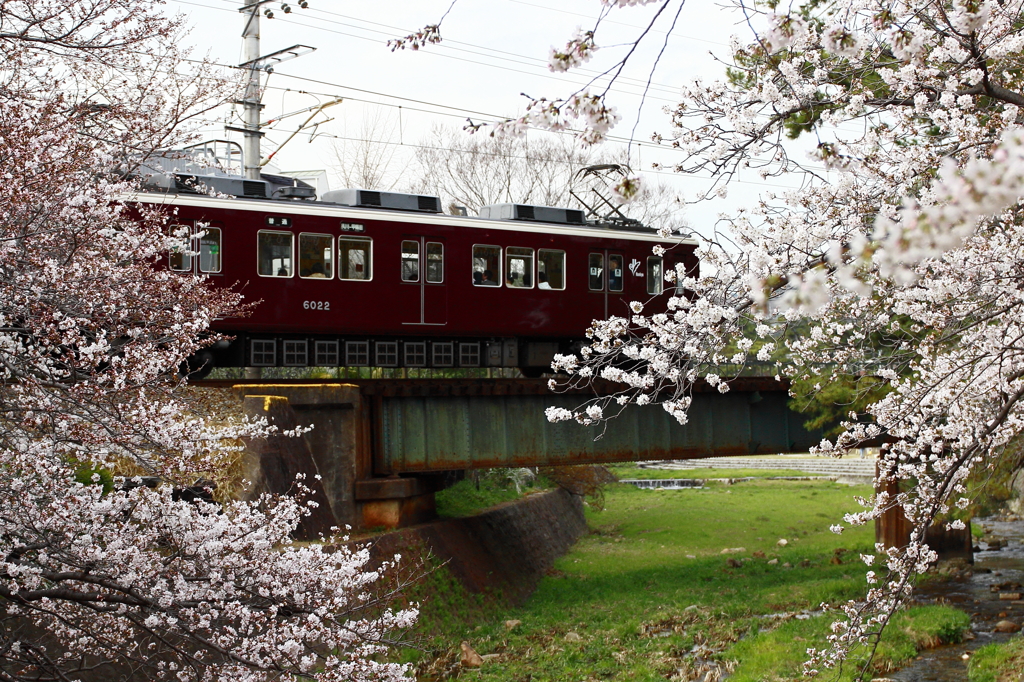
(128, 581)
(899, 255)
(906, 228)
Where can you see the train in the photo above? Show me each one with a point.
(358, 278)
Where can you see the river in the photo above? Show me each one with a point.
(996, 572)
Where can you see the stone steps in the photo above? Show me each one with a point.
(819, 465)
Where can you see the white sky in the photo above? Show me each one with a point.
(493, 50)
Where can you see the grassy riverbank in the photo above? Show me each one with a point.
(650, 586)
(997, 662)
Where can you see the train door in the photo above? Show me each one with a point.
(203, 255)
(605, 275)
(424, 281)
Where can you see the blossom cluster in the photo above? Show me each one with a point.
(897, 260)
(101, 576)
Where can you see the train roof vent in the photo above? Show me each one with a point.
(204, 184)
(392, 200)
(540, 214)
(254, 188)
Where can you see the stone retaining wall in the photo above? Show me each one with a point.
(506, 549)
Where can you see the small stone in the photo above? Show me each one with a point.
(573, 637)
(733, 550)
(782, 542)
(1009, 596)
(772, 562)
(1002, 614)
(1006, 626)
(512, 624)
(787, 565)
(965, 656)
(470, 658)
(691, 556)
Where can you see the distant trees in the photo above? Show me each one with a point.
(369, 160)
(120, 581)
(472, 171)
(476, 170)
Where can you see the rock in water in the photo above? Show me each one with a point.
(470, 658)
(1006, 626)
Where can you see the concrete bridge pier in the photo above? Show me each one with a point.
(334, 455)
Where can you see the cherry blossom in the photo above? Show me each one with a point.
(123, 581)
(898, 258)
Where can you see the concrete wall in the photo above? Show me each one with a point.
(506, 549)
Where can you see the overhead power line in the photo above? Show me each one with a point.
(447, 45)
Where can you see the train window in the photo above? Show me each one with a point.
(209, 250)
(326, 353)
(596, 271)
(295, 354)
(442, 353)
(487, 265)
(550, 269)
(355, 258)
(179, 258)
(519, 267)
(615, 272)
(264, 353)
(357, 353)
(410, 261)
(415, 353)
(435, 262)
(655, 275)
(274, 253)
(678, 272)
(316, 256)
(387, 353)
(469, 355)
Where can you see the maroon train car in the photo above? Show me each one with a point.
(383, 279)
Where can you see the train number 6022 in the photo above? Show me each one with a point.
(316, 305)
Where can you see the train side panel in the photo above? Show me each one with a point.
(422, 279)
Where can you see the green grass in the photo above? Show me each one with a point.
(633, 471)
(490, 488)
(634, 597)
(997, 662)
(781, 652)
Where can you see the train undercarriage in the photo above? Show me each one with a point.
(531, 356)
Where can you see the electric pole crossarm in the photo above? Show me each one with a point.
(255, 63)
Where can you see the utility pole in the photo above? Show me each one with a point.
(251, 100)
(251, 106)
(254, 64)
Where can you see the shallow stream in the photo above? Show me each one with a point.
(996, 572)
